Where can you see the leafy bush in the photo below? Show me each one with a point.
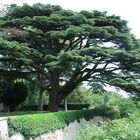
(126, 105)
(111, 112)
(32, 97)
(137, 103)
(83, 95)
(121, 129)
(15, 94)
(97, 100)
(34, 125)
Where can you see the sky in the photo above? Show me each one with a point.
(127, 9)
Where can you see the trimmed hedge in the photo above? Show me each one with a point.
(70, 107)
(76, 106)
(35, 125)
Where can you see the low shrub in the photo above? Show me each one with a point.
(76, 106)
(121, 129)
(127, 106)
(34, 125)
(70, 106)
(14, 95)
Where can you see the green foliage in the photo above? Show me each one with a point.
(14, 95)
(126, 105)
(33, 92)
(97, 100)
(130, 85)
(122, 129)
(137, 103)
(15, 50)
(111, 112)
(80, 95)
(32, 97)
(34, 125)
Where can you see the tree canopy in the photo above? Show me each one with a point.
(62, 48)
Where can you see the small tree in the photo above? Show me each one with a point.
(14, 95)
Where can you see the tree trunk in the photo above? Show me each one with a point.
(41, 100)
(54, 101)
(54, 97)
(57, 93)
(41, 92)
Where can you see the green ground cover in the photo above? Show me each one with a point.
(121, 129)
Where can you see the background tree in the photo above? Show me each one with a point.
(62, 48)
(80, 95)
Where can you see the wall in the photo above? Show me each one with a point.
(69, 133)
(3, 129)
